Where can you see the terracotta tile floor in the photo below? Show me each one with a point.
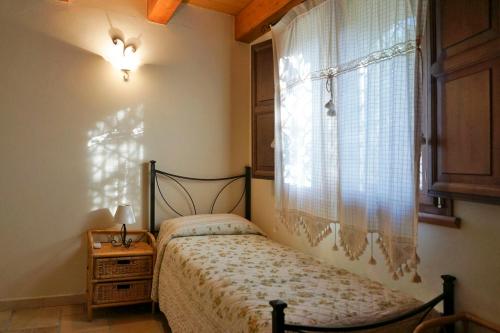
(73, 318)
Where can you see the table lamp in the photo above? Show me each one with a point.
(124, 215)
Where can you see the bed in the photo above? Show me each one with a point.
(221, 273)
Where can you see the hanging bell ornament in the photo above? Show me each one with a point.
(330, 109)
(330, 106)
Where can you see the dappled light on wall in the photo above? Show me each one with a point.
(115, 153)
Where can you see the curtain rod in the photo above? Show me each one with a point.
(270, 25)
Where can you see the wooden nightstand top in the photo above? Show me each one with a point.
(145, 244)
(135, 249)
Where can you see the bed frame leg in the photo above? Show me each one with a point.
(278, 316)
(449, 299)
(152, 180)
(248, 193)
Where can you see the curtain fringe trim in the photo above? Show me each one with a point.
(402, 267)
(353, 249)
(295, 222)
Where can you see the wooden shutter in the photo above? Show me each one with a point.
(262, 110)
(465, 107)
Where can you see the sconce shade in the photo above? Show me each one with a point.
(124, 214)
(123, 56)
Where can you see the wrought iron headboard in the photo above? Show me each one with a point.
(153, 185)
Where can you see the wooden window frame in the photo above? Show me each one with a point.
(432, 210)
(260, 109)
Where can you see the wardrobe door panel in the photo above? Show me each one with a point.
(465, 95)
(463, 24)
(264, 135)
(465, 134)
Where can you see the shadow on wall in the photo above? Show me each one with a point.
(115, 153)
(98, 219)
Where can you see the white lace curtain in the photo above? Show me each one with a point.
(357, 165)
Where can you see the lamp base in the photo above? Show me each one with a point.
(123, 238)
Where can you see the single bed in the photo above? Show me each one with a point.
(219, 272)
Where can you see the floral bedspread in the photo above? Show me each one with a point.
(219, 276)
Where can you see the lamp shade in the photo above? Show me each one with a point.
(124, 214)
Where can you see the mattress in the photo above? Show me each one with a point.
(219, 276)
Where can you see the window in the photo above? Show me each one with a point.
(346, 149)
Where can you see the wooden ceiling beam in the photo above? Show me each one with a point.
(254, 20)
(161, 11)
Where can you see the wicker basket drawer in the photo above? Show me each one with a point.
(128, 291)
(112, 268)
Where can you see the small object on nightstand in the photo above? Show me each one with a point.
(119, 275)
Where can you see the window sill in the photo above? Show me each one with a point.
(440, 220)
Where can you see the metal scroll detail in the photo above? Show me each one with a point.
(175, 178)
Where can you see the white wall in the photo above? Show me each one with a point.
(75, 137)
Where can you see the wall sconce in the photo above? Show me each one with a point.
(123, 57)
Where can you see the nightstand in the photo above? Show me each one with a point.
(118, 275)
